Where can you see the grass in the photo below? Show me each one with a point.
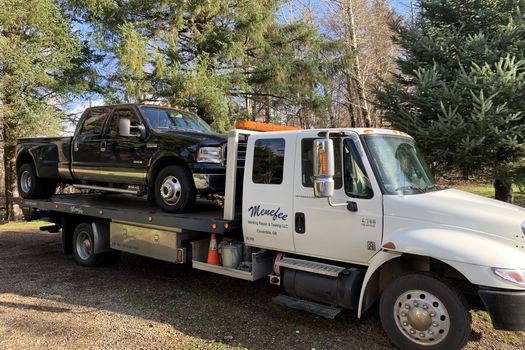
(487, 190)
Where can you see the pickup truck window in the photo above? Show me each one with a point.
(400, 165)
(268, 161)
(122, 113)
(165, 119)
(94, 121)
(307, 159)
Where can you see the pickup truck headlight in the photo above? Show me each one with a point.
(209, 155)
(515, 276)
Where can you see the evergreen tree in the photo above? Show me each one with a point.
(460, 87)
(224, 58)
(40, 61)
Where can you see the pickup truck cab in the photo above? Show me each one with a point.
(170, 154)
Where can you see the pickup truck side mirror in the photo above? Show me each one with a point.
(126, 130)
(124, 127)
(324, 168)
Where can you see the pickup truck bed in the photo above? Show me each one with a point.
(204, 216)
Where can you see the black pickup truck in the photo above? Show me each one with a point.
(169, 154)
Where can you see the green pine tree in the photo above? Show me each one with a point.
(40, 63)
(460, 85)
(224, 58)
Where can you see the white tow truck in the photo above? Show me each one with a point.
(341, 219)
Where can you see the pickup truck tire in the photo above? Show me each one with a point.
(174, 189)
(32, 187)
(424, 310)
(84, 245)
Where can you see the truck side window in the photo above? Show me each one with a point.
(357, 183)
(94, 121)
(122, 113)
(307, 162)
(268, 161)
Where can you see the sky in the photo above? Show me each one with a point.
(79, 104)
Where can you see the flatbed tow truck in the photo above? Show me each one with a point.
(341, 219)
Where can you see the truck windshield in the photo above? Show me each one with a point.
(400, 165)
(164, 119)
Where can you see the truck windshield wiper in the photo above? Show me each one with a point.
(409, 188)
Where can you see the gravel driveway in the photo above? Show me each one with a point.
(47, 301)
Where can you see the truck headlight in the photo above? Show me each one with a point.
(515, 276)
(209, 155)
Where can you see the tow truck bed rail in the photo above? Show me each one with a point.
(205, 216)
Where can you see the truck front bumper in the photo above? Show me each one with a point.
(506, 308)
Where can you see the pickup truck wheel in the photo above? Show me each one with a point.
(84, 246)
(29, 185)
(174, 189)
(423, 310)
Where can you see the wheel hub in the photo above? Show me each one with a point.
(170, 190)
(419, 318)
(84, 246)
(422, 317)
(26, 181)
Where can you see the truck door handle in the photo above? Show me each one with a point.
(300, 223)
(75, 146)
(103, 146)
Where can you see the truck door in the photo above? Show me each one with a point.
(324, 231)
(268, 191)
(85, 150)
(125, 158)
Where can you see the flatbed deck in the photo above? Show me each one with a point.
(206, 216)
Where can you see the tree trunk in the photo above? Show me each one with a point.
(356, 68)
(3, 202)
(503, 190)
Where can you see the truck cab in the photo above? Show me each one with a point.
(365, 199)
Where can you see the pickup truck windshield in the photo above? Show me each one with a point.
(400, 164)
(164, 119)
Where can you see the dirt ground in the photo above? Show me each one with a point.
(47, 301)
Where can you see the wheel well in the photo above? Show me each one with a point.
(416, 263)
(161, 164)
(23, 159)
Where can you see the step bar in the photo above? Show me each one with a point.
(311, 266)
(107, 189)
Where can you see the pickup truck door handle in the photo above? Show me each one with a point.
(300, 223)
(103, 146)
(75, 146)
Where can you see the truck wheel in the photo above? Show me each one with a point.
(174, 189)
(84, 246)
(423, 310)
(29, 185)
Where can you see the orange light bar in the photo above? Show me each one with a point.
(258, 126)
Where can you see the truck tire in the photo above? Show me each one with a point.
(32, 187)
(84, 246)
(423, 310)
(174, 189)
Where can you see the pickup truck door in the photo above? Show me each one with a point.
(85, 148)
(336, 232)
(124, 158)
(268, 192)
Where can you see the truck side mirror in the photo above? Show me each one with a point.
(324, 166)
(124, 127)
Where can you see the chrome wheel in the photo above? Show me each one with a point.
(422, 317)
(26, 181)
(83, 245)
(170, 190)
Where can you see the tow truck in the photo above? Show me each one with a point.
(341, 219)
